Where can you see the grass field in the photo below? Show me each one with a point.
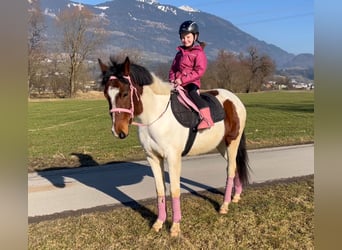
(70, 133)
(269, 216)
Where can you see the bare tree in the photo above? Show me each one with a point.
(227, 71)
(259, 67)
(237, 72)
(208, 80)
(231, 72)
(82, 34)
(35, 41)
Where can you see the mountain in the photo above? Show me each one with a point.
(300, 66)
(304, 60)
(152, 28)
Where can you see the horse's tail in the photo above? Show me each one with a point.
(242, 161)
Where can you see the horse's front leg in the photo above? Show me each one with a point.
(157, 166)
(174, 173)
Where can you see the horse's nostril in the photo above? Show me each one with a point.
(122, 135)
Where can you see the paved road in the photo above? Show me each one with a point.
(56, 191)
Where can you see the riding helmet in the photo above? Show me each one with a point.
(189, 27)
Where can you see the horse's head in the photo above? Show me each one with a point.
(123, 88)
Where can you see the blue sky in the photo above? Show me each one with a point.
(288, 24)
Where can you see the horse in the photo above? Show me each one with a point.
(137, 96)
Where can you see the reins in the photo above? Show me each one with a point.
(131, 109)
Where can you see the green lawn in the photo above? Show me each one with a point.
(63, 132)
(279, 118)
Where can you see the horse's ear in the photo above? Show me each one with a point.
(127, 64)
(103, 67)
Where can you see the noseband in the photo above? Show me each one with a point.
(133, 91)
(131, 109)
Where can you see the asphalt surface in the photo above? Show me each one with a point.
(63, 191)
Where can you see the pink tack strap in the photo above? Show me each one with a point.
(131, 110)
(119, 110)
(176, 210)
(237, 184)
(133, 91)
(161, 208)
(229, 188)
(185, 100)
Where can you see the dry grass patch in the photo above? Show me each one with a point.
(270, 216)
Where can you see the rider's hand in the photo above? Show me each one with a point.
(178, 82)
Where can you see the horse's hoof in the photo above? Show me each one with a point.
(236, 198)
(175, 230)
(158, 225)
(224, 209)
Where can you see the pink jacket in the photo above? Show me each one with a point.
(189, 65)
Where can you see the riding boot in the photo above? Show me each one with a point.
(206, 121)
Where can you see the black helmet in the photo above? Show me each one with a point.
(189, 26)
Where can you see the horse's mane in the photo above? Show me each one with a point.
(139, 74)
(160, 87)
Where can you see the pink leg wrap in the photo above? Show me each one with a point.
(176, 210)
(237, 184)
(229, 188)
(161, 208)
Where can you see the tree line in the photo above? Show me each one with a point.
(67, 67)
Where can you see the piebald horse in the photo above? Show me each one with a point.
(135, 93)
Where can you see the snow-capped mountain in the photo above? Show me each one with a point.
(188, 8)
(152, 28)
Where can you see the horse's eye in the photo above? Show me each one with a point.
(122, 95)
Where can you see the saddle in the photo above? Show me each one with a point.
(189, 118)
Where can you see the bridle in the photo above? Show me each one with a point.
(133, 91)
(130, 111)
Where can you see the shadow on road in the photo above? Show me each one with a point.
(112, 176)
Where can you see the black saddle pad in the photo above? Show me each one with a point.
(189, 118)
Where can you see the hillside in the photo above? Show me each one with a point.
(153, 29)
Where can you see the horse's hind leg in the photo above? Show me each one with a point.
(229, 153)
(157, 166)
(237, 188)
